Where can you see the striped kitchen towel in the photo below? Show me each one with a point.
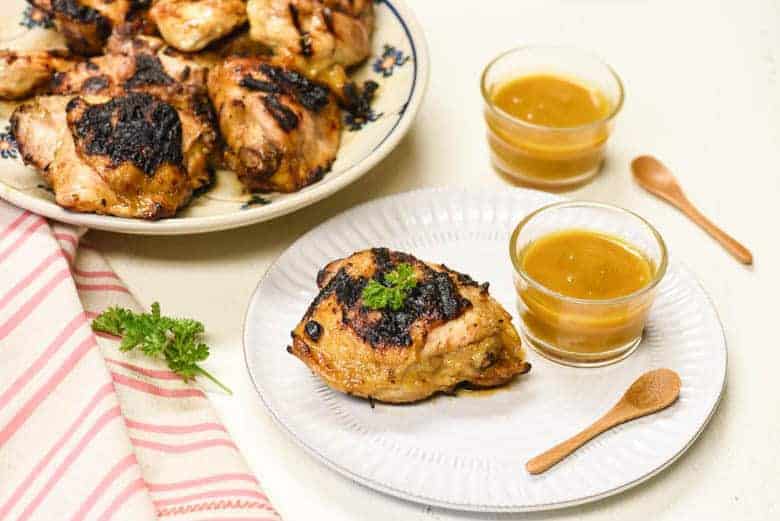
(88, 432)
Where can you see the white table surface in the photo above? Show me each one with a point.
(702, 93)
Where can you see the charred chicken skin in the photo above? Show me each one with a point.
(144, 64)
(449, 331)
(144, 113)
(187, 25)
(87, 24)
(281, 130)
(119, 156)
(138, 63)
(323, 32)
(139, 60)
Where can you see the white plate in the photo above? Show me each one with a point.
(399, 63)
(468, 452)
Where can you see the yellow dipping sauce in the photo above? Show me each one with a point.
(587, 265)
(567, 137)
(595, 269)
(551, 101)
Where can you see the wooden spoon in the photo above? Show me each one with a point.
(651, 392)
(653, 176)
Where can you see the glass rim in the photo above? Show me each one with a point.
(515, 257)
(505, 115)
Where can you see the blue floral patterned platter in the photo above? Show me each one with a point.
(399, 64)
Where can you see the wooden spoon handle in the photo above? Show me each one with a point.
(734, 247)
(550, 457)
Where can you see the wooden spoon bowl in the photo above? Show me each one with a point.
(653, 176)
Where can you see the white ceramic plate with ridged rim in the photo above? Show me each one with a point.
(399, 63)
(468, 452)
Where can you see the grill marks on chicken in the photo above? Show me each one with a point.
(84, 27)
(449, 331)
(191, 25)
(312, 95)
(304, 39)
(87, 24)
(134, 141)
(323, 32)
(141, 63)
(148, 71)
(107, 155)
(284, 116)
(434, 299)
(111, 74)
(135, 128)
(188, 25)
(281, 130)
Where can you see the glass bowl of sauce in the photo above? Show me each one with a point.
(586, 276)
(549, 112)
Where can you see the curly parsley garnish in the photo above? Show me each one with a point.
(177, 340)
(393, 292)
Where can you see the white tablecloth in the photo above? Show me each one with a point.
(702, 94)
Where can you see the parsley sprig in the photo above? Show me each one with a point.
(177, 340)
(398, 283)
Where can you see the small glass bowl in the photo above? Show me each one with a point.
(543, 156)
(584, 332)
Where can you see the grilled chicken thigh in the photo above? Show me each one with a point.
(449, 331)
(22, 74)
(140, 59)
(143, 64)
(87, 24)
(119, 156)
(190, 25)
(138, 63)
(107, 164)
(39, 127)
(281, 130)
(324, 32)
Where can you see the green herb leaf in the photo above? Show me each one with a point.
(177, 340)
(375, 295)
(111, 320)
(402, 277)
(398, 283)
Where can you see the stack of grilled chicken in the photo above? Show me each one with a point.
(152, 95)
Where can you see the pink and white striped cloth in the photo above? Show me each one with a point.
(88, 432)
